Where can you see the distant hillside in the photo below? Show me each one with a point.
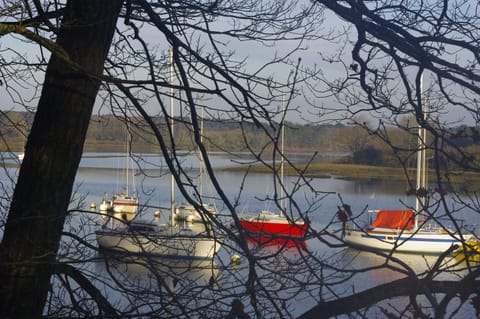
(109, 134)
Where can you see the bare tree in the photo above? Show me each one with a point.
(123, 67)
(390, 46)
(77, 38)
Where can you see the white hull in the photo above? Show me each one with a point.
(122, 208)
(120, 204)
(189, 213)
(168, 242)
(105, 205)
(435, 241)
(123, 203)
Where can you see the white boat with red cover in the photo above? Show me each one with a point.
(407, 231)
(395, 230)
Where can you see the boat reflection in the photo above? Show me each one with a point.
(372, 270)
(172, 274)
(383, 269)
(275, 242)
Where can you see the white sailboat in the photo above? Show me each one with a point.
(188, 212)
(21, 155)
(270, 225)
(161, 240)
(123, 202)
(407, 231)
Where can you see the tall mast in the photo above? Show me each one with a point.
(282, 147)
(128, 158)
(127, 162)
(200, 155)
(172, 178)
(421, 157)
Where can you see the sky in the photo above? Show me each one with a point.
(257, 56)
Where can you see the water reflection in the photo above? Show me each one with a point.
(274, 243)
(371, 270)
(158, 286)
(195, 282)
(173, 273)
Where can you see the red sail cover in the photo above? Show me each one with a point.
(398, 219)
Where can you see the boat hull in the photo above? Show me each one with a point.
(125, 204)
(120, 204)
(189, 213)
(168, 243)
(421, 242)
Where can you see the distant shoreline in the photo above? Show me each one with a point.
(352, 172)
(359, 172)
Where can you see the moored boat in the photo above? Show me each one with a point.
(274, 225)
(124, 203)
(161, 240)
(121, 203)
(406, 231)
(149, 238)
(202, 210)
(269, 224)
(191, 214)
(395, 230)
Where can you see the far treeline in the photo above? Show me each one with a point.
(353, 144)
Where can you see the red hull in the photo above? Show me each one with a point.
(272, 229)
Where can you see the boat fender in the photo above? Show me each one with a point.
(235, 259)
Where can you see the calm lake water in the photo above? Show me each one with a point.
(101, 173)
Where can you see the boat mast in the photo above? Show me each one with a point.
(200, 155)
(282, 147)
(127, 157)
(127, 153)
(421, 157)
(172, 178)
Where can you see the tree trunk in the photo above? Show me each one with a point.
(52, 154)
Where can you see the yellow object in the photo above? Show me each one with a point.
(470, 252)
(235, 259)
